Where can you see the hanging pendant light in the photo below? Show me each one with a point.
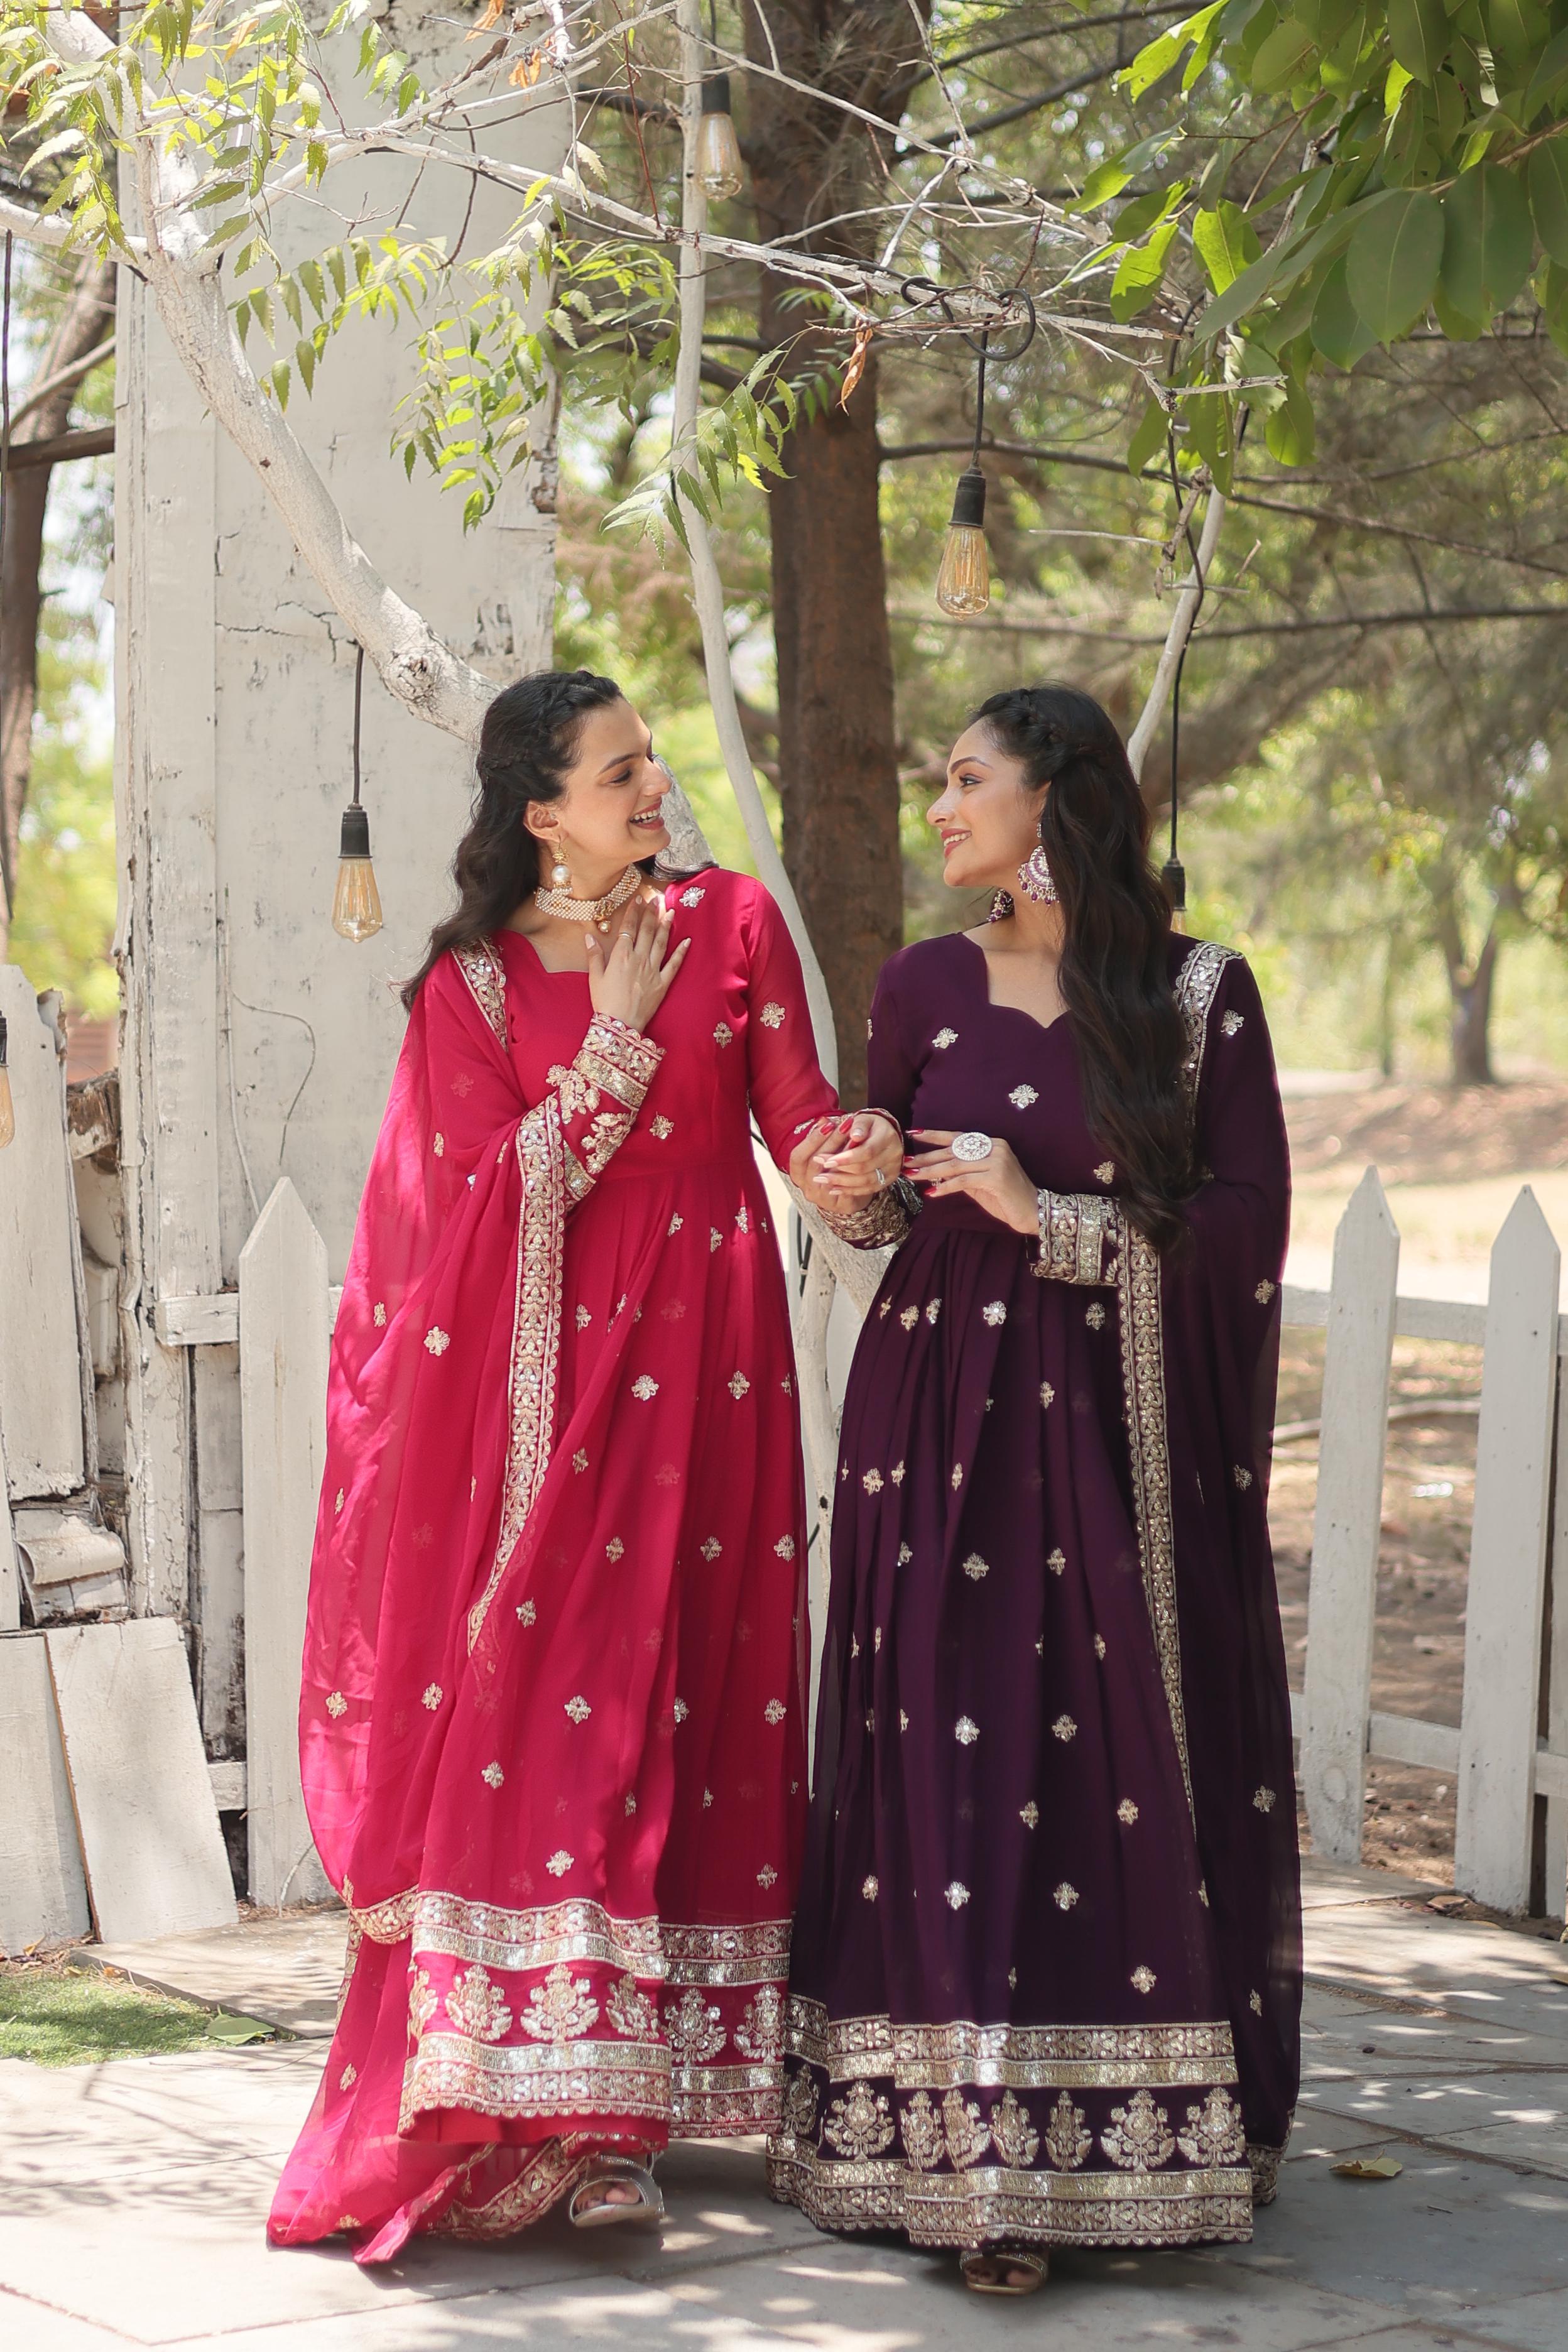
(719, 170)
(963, 576)
(356, 902)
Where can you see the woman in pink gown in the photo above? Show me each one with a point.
(552, 1730)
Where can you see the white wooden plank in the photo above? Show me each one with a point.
(148, 1829)
(40, 1375)
(227, 1777)
(1457, 1319)
(1494, 1834)
(1341, 1599)
(1556, 1615)
(43, 1895)
(10, 1574)
(283, 1342)
(1406, 1739)
(210, 1318)
(1551, 1781)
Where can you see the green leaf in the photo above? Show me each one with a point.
(237, 2030)
(1291, 432)
(1212, 429)
(1282, 56)
(1454, 323)
(1515, 28)
(1139, 273)
(1552, 289)
(278, 379)
(1338, 329)
(1158, 56)
(1548, 181)
(1551, 70)
(1489, 241)
(1419, 34)
(1227, 243)
(1290, 259)
(1149, 440)
(1392, 263)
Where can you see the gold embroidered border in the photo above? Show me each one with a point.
(727, 1955)
(880, 1223)
(618, 2078)
(991, 2203)
(1021, 2057)
(535, 1334)
(725, 2101)
(1075, 1228)
(1265, 2164)
(1144, 1375)
(556, 2172)
(518, 1941)
(480, 962)
(385, 1922)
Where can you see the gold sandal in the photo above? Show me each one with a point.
(606, 2171)
(997, 2260)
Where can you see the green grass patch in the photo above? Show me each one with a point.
(55, 2016)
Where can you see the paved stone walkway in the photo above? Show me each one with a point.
(132, 2197)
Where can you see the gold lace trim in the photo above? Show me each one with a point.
(1075, 1230)
(480, 962)
(1021, 2057)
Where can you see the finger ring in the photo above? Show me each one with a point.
(881, 1176)
(971, 1146)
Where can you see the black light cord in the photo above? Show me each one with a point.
(7, 879)
(359, 681)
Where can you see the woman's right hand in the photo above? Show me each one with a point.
(630, 980)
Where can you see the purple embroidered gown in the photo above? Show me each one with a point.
(1046, 1977)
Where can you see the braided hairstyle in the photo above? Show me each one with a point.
(527, 742)
(1114, 973)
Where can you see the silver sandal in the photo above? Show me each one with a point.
(999, 2259)
(604, 2171)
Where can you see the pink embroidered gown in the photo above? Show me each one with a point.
(551, 1724)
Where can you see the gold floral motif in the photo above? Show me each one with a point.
(630, 2011)
(1231, 1021)
(661, 1128)
(785, 1546)
(562, 2008)
(692, 897)
(1057, 1562)
(336, 1704)
(955, 1895)
(348, 2078)
(492, 1776)
(1263, 1293)
(966, 1731)
(975, 1568)
(1255, 2003)
(644, 1387)
(1106, 1171)
(944, 1039)
(338, 1501)
(994, 1312)
(1243, 1478)
(1099, 1645)
(1047, 1394)
(737, 1385)
(897, 1474)
(710, 1548)
(694, 2029)
(957, 1480)
(767, 1876)
(431, 1696)
(760, 2034)
(527, 1613)
(1214, 2135)
(378, 1314)
(774, 1711)
(800, 2103)
(1029, 1815)
(1065, 1896)
(1138, 2136)
(772, 1016)
(559, 1864)
(872, 1482)
(1127, 1812)
(1067, 2142)
(905, 1555)
(1017, 2141)
(424, 2000)
(437, 1341)
(965, 2130)
(859, 2124)
(909, 1317)
(1142, 1978)
(1263, 1800)
(870, 1887)
(934, 1308)
(919, 2128)
(615, 1549)
(1022, 1096)
(478, 2007)
(480, 962)
(580, 1460)
(577, 1708)
(1064, 1727)
(1095, 1317)
(722, 1034)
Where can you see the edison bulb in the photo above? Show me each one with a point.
(964, 582)
(7, 1107)
(719, 170)
(356, 902)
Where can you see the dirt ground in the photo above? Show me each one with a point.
(1435, 1136)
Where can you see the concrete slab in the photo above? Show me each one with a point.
(1463, 1969)
(1532, 2323)
(1454, 2109)
(286, 1971)
(35, 2327)
(1330, 1885)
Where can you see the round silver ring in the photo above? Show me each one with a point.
(881, 1176)
(971, 1146)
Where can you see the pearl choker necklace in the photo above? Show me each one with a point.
(597, 911)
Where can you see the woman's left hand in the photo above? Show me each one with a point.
(997, 1182)
(866, 1158)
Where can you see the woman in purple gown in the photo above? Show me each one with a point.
(1046, 1980)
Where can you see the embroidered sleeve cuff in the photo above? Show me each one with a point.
(1080, 1238)
(618, 1060)
(880, 1222)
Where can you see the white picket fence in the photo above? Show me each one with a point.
(1509, 1755)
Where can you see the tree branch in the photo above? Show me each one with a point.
(1176, 635)
(60, 448)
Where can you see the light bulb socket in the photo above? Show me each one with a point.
(968, 501)
(716, 94)
(1173, 874)
(355, 841)
(5, 1038)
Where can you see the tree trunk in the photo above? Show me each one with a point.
(838, 775)
(84, 323)
(1470, 1025)
(837, 730)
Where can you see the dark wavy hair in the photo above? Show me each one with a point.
(1114, 974)
(527, 742)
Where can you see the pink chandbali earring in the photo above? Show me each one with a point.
(1034, 874)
